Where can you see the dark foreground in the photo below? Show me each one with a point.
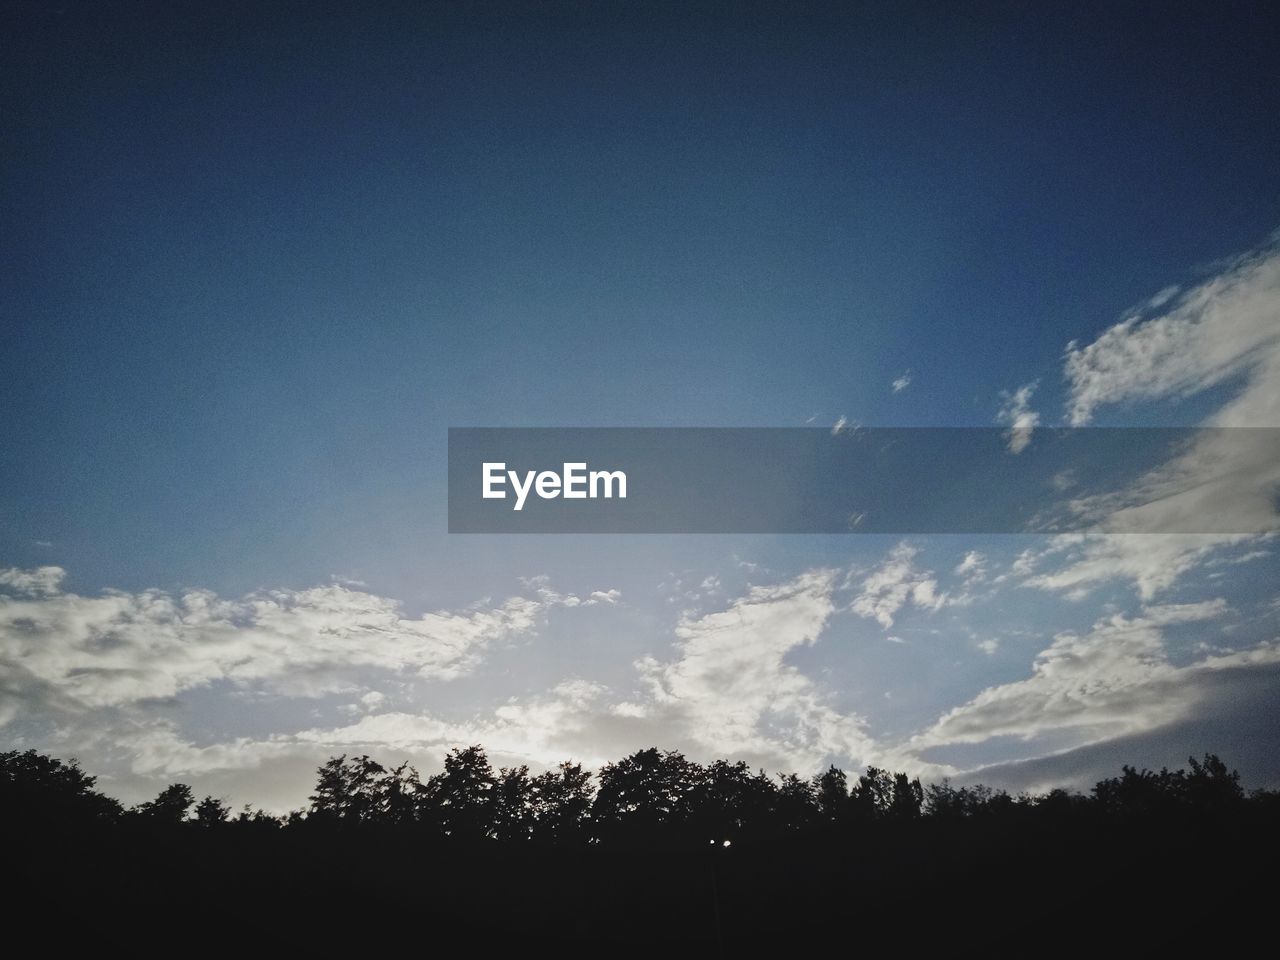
(1145, 862)
(1080, 887)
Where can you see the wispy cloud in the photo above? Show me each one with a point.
(1113, 681)
(1222, 328)
(122, 648)
(1015, 411)
(38, 582)
(1178, 344)
(895, 583)
(1152, 564)
(727, 690)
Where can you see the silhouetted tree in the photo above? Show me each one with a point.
(350, 790)
(249, 818)
(403, 795)
(651, 796)
(1061, 804)
(37, 789)
(944, 801)
(1211, 787)
(644, 796)
(561, 801)
(169, 806)
(1140, 793)
(795, 806)
(872, 796)
(211, 812)
(513, 816)
(831, 793)
(729, 802)
(462, 797)
(330, 799)
(908, 798)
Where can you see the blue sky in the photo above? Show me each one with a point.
(259, 262)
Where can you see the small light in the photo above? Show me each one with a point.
(726, 843)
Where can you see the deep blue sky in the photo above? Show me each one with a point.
(258, 261)
(259, 257)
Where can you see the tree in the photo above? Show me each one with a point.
(403, 795)
(644, 795)
(831, 792)
(513, 817)
(1140, 793)
(795, 806)
(1211, 787)
(261, 820)
(908, 798)
(462, 797)
(729, 802)
(872, 796)
(349, 790)
(169, 806)
(561, 801)
(211, 812)
(36, 790)
(329, 802)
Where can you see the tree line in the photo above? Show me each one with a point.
(651, 796)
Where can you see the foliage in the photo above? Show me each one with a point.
(650, 797)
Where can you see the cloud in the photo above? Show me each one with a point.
(1217, 489)
(1016, 412)
(1151, 563)
(1115, 680)
(973, 568)
(41, 581)
(840, 426)
(1223, 328)
(1237, 717)
(726, 691)
(894, 584)
(902, 382)
(728, 680)
(121, 648)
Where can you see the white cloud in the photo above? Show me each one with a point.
(1222, 481)
(1225, 327)
(902, 382)
(840, 426)
(973, 567)
(1113, 681)
(1151, 563)
(1218, 489)
(727, 691)
(729, 677)
(553, 598)
(894, 584)
(1015, 411)
(41, 581)
(120, 648)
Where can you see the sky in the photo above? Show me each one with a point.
(258, 261)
